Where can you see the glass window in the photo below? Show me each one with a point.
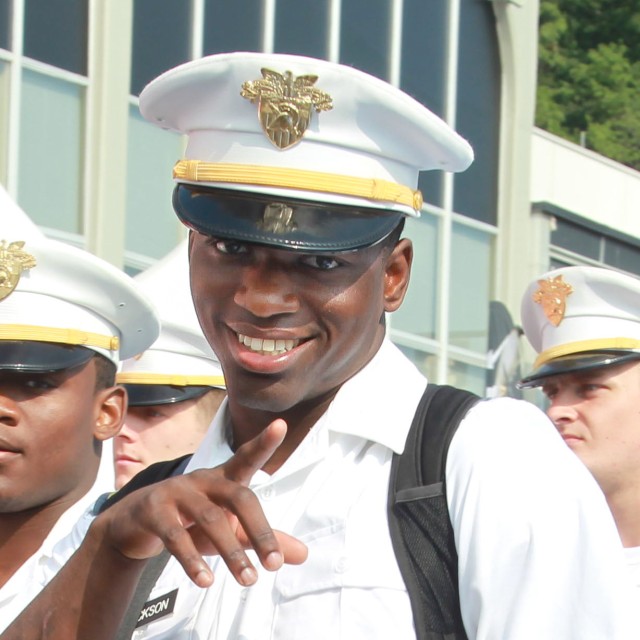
(422, 73)
(152, 228)
(423, 48)
(622, 255)
(478, 110)
(417, 314)
(426, 362)
(467, 376)
(233, 26)
(470, 288)
(161, 39)
(306, 37)
(51, 151)
(5, 24)
(577, 239)
(364, 35)
(55, 32)
(4, 117)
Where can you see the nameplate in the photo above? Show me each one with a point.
(157, 608)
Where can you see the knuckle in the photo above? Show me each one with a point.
(173, 535)
(212, 515)
(241, 496)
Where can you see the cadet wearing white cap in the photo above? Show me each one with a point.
(297, 177)
(584, 322)
(66, 318)
(174, 387)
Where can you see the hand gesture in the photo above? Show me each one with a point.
(209, 511)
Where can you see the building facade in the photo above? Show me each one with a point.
(79, 159)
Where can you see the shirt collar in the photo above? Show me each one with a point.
(379, 402)
(376, 404)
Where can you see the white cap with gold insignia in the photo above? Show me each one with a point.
(180, 364)
(59, 304)
(334, 152)
(580, 318)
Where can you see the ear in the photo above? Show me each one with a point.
(396, 275)
(111, 407)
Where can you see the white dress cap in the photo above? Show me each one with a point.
(56, 294)
(299, 127)
(581, 317)
(181, 356)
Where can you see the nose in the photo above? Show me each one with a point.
(9, 413)
(561, 410)
(266, 290)
(126, 432)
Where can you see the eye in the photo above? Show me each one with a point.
(324, 263)
(589, 388)
(229, 247)
(38, 383)
(154, 413)
(550, 392)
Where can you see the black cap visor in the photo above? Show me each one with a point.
(577, 362)
(284, 223)
(41, 357)
(145, 395)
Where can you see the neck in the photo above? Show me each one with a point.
(22, 534)
(248, 422)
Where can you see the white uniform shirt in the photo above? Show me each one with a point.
(632, 555)
(34, 574)
(539, 555)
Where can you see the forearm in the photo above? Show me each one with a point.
(87, 599)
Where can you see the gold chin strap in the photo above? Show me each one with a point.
(585, 345)
(369, 188)
(62, 336)
(174, 380)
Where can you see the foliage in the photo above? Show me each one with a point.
(589, 75)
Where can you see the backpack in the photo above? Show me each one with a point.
(419, 524)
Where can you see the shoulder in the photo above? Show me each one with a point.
(511, 441)
(503, 422)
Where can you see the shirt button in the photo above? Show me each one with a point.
(341, 565)
(267, 493)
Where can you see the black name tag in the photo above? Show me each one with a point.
(157, 608)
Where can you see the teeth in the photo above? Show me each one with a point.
(267, 347)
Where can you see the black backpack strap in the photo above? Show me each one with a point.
(149, 576)
(418, 513)
(153, 473)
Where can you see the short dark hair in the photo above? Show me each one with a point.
(105, 372)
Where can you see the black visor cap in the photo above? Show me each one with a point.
(145, 395)
(284, 223)
(577, 362)
(41, 357)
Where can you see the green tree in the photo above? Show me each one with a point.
(589, 75)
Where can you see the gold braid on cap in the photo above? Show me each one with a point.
(369, 188)
(585, 345)
(172, 379)
(62, 336)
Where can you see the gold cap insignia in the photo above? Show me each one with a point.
(552, 296)
(277, 218)
(285, 104)
(13, 261)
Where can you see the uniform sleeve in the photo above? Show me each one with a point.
(539, 554)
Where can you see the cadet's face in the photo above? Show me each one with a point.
(47, 452)
(290, 327)
(597, 413)
(162, 432)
